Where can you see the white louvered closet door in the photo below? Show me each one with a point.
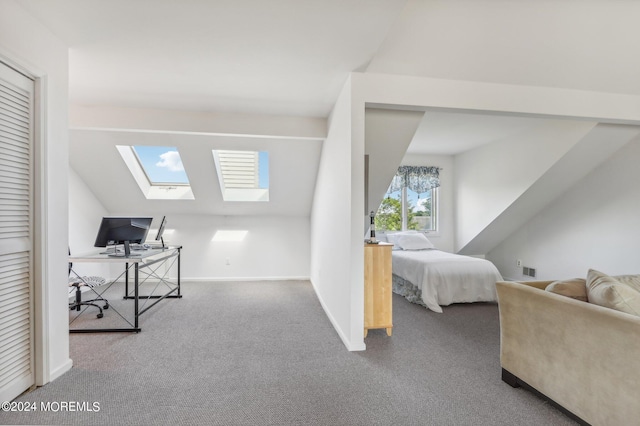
(16, 225)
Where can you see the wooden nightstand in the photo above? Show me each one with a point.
(377, 287)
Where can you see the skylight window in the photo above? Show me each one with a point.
(158, 171)
(243, 175)
(162, 164)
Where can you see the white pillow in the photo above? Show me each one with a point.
(393, 238)
(415, 241)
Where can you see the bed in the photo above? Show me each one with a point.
(434, 278)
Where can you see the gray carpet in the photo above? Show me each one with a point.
(264, 353)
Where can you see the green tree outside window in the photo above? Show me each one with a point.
(389, 216)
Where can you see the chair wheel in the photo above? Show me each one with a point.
(100, 315)
(106, 306)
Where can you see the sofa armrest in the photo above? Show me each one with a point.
(537, 284)
(582, 356)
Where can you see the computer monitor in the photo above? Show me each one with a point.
(163, 223)
(122, 230)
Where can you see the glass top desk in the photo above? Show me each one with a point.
(147, 269)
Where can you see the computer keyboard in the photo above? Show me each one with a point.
(112, 250)
(145, 246)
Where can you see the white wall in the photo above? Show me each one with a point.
(593, 225)
(25, 42)
(331, 228)
(491, 177)
(85, 213)
(443, 239)
(275, 247)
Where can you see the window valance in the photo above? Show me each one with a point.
(419, 179)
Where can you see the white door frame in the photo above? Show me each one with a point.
(40, 306)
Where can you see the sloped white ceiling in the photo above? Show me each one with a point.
(293, 166)
(454, 132)
(593, 149)
(582, 45)
(286, 57)
(291, 58)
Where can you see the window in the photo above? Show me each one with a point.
(424, 218)
(411, 201)
(162, 164)
(243, 175)
(405, 209)
(158, 171)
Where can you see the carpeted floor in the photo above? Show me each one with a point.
(264, 353)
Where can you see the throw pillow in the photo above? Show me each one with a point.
(415, 241)
(393, 237)
(632, 281)
(611, 293)
(575, 288)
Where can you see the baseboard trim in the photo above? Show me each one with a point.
(60, 370)
(200, 279)
(227, 279)
(350, 347)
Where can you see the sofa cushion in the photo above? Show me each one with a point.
(613, 293)
(575, 288)
(632, 281)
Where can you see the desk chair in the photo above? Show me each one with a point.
(91, 282)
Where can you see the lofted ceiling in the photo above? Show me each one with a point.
(287, 57)
(292, 57)
(573, 44)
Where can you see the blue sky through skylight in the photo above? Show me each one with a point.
(162, 164)
(263, 177)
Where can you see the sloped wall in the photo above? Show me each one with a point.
(388, 133)
(585, 155)
(490, 178)
(593, 225)
(85, 213)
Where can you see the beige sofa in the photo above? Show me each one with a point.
(582, 356)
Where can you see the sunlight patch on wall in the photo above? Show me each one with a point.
(229, 235)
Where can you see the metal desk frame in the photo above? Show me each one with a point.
(144, 260)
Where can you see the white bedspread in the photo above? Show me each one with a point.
(446, 278)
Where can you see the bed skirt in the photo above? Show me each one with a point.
(407, 290)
